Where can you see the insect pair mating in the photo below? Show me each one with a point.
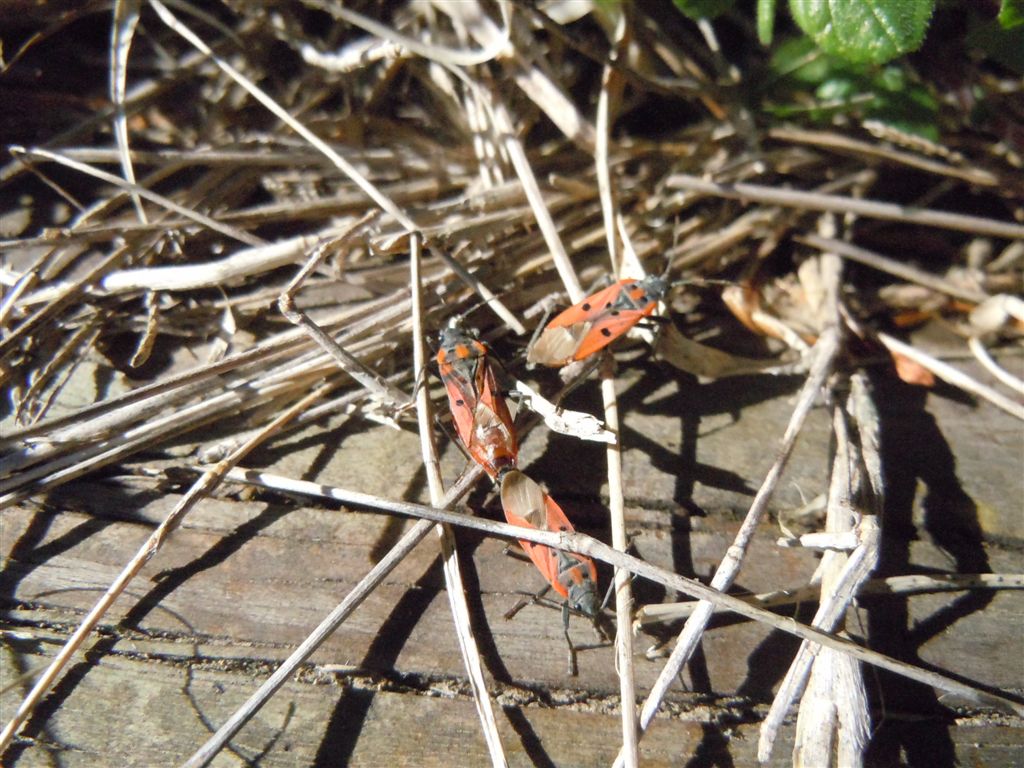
(485, 426)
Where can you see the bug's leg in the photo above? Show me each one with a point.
(603, 625)
(653, 322)
(608, 595)
(444, 421)
(508, 382)
(573, 669)
(421, 380)
(346, 361)
(509, 551)
(511, 612)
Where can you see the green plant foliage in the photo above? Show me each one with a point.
(765, 21)
(864, 31)
(812, 85)
(703, 9)
(1011, 14)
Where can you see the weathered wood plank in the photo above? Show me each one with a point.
(246, 578)
(156, 712)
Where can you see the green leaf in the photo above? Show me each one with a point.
(799, 59)
(703, 9)
(809, 85)
(865, 31)
(1011, 14)
(765, 21)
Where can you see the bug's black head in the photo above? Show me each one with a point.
(456, 333)
(655, 287)
(583, 598)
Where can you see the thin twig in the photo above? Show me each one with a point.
(1004, 376)
(503, 125)
(837, 204)
(126, 19)
(188, 277)
(660, 613)
(832, 140)
(611, 87)
(623, 583)
(892, 266)
(953, 376)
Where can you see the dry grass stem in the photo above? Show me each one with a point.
(850, 205)
(843, 143)
(1001, 374)
(893, 267)
(953, 376)
(659, 613)
(126, 19)
(611, 89)
(623, 586)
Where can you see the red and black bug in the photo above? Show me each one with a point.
(572, 576)
(482, 418)
(598, 320)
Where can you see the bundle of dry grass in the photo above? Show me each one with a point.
(385, 174)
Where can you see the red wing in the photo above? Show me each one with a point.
(492, 436)
(546, 560)
(491, 395)
(492, 443)
(568, 564)
(592, 324)
(606, 330)
(591, 307)
(462, 400)
(524, 503)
